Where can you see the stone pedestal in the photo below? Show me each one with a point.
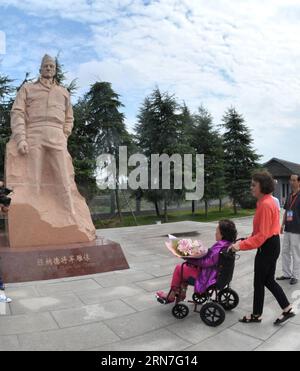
(59, 261)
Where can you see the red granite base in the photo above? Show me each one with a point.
(50, 262)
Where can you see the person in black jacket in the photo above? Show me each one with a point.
(4, 207)
(291, 230)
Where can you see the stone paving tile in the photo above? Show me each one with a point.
(141, 259)
(228, 340)
(50, 282)
(156, 283)
(75, 338)
(293, 293)
(9, 343)
(22, 292)
(141, 322)
(244, 288)
(296, 320)
(143, 301)
(265, 329)
(21, 324)
(137, 252)
(91, 313)
(31, 283)
(5, 309)
(161, 260)
(161, 271)
(286, 339)
(38, 285)
(110, 293)
(192, 329)
(123, 279)
(45, 303)
(74, 286)
(90, 276)
(148, 267)
(242, 270)
(161, 340)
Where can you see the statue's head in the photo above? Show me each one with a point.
(48, 67)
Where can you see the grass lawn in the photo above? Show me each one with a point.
(175, 216)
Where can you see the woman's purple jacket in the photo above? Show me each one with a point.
(208, 264)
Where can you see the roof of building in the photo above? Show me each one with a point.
(280, 167)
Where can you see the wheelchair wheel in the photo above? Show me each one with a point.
(229, 299)
(180, 311)
(199, 298)
(212, 314)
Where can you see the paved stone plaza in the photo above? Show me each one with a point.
(118, 310)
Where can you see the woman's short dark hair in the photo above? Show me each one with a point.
(228, 230)
(298, 177)
(265, 180)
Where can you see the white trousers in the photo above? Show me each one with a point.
(291, 255)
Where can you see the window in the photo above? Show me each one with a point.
(283, 190)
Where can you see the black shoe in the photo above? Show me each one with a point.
(285, 316)
(283, 278)
(293, 281)
(252, 319)
(2, 287)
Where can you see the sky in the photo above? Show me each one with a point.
(220, 53)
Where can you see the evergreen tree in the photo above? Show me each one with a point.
(6, 102)
(105, 125)
(7, 97)
(161, 130)
(80, 144)
(188, 132)
(5, 87)
(239, 156)
(83, 152)
(60, 77)
(206, 140)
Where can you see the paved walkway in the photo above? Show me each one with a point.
(117, 310)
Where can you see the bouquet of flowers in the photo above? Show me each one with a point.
(186, 248)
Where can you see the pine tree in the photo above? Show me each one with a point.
(5, 87)
(188, 132)
(60, 77)
(207, 141)
(80, 144)
(161, 130)
(106, 125)
(82, 150)
(6, 102)
(239, 156)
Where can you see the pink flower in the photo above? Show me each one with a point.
(198, 248)
(188, 248)
(185, 246)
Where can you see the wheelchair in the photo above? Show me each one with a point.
(217, 299)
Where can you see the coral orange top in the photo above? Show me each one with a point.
(266, 224)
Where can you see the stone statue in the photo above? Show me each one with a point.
(39, 167)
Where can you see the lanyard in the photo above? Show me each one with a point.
(293, 200)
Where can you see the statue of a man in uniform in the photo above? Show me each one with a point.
(46, 206)
(41, 121)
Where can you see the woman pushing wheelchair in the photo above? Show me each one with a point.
(265, 239)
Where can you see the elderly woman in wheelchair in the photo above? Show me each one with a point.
(211, 276)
